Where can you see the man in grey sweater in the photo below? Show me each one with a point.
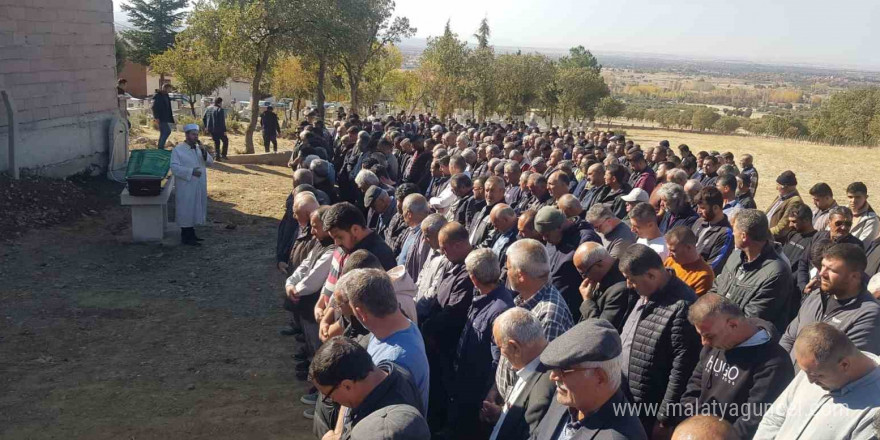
(835, 396)
(843, 301)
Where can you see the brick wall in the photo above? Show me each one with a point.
(57, 61)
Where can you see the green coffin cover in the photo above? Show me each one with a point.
(149, 163)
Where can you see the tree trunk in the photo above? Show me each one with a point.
(192, 106)
(255, 103)
(353, 85)
(298, 108)
(319, 85)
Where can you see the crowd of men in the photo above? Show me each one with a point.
(496, 281)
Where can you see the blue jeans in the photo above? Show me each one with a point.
(164, 132)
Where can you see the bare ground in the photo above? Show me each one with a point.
(105, 339)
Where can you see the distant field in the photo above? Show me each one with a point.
(837, 166)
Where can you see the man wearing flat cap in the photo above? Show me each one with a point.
(380, 208)
(562, 238)
(189, 162)
(786, 186)
(585, 363)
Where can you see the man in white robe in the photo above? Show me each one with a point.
(189, 162)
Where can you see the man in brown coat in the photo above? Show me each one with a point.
(786, 185)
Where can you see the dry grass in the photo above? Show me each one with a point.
(812, 163)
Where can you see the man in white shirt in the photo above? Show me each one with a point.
(643, 222)
(444, 200)
(520, 338)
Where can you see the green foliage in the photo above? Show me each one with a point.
(444, 70)
(578, 57)
(377, 73)
(521, 81)
(610, 108)
(851, 116)
(727, 124)
(194, 70)
(704, 118)
(156, 23)
(582, 89)
(122, 52)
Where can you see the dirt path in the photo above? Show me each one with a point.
(104, 339)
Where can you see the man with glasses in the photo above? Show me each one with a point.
(604, 291)
(840, 221)
(616, 236)
(344, 373)
(585, 362)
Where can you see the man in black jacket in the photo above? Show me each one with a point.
(519, 338)
(344, 372)
(713, 231)
(742, 368)
(446, 316)
(800, 240)
(660, 348)
(604, 289)
(839, 225)
(271, 129)
(675, 207)
(842, 301)
(163, 114)
(481, 227)
(615, 181)
(756, 277)
(590, 401)
(214, 122)
(348, 227)
(562, 238)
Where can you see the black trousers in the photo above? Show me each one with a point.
(218, 137)
(273, 139)
(187, 235)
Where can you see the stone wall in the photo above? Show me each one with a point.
(57, 61)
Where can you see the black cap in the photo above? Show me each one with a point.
(593, 340)
(787, 178)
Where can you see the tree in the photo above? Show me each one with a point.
(377, 72)
(582, 89)
(156, 23)
(481, 74)
(194, 70)
(727, 124)
(521, 81)
(578, 57)
(369, 28)
(443, 68)
(406, 89)
(294, 79)
(704, 118)
(250, 35)
(122, 52)
(610, 108)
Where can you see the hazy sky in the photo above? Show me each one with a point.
(841, 32)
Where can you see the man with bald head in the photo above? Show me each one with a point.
(596, 179)
(704, 427)
(836, 395)
(604, 290)
(514, 194)
(570, 206)
(481, 228)
(558, 185)
(541, 197)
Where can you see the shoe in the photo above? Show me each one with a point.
(300, 337)
(191, 243)
(288, 332)
(303, 366)
(309, 399)
(309, 413)
(302, 376)
(301, 356)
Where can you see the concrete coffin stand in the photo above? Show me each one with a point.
(149, 215)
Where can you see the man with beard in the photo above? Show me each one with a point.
(713, 231)
(481, 227)
(842, 301)
(596, 179)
